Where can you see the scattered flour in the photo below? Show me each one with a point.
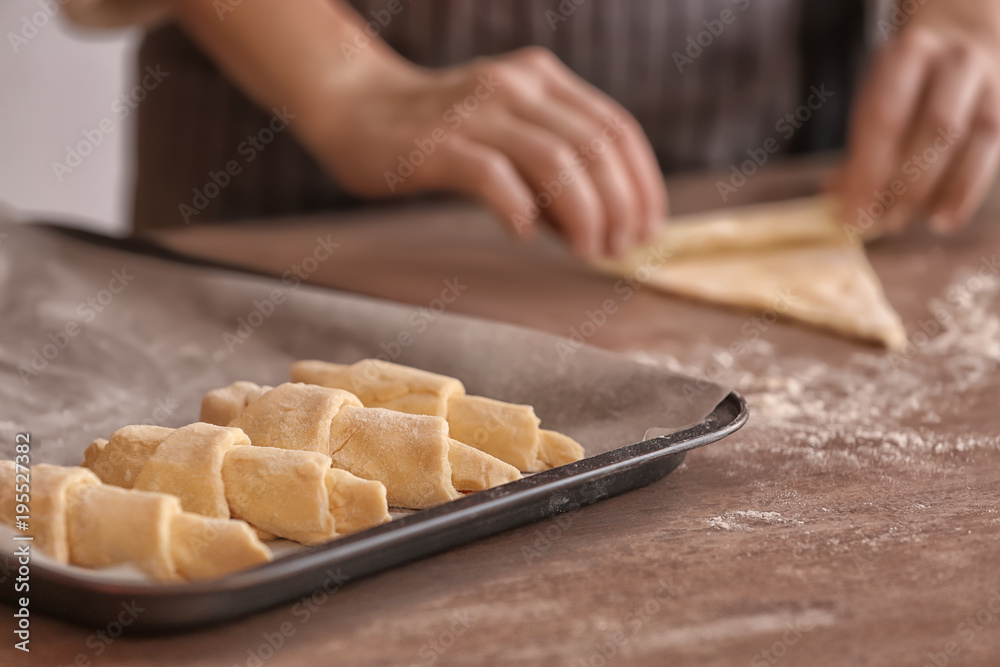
(886, 406)
(731, 520)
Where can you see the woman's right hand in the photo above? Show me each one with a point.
(521, 133)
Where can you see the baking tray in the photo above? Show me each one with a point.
(168, 608)
(97, 601)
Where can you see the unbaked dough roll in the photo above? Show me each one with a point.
(215, 472)
(306, 413)
(188, 464)
(51, 490)
(301, 490)
(76, 519)
(380, 384)
(206, 548)
(109, 525)
(410, 454)
(355, 503)
(407, 453)
(471, 471)
(297, 495)
(557, 449)
(224, 405)
(283, 492)
(508, 431)
(130, 448)
(504, 430)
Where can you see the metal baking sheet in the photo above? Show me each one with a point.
(326, 567)
(160, 341)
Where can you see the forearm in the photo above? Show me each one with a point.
(499, 129)
(289, 54)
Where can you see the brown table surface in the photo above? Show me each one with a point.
(854, 521)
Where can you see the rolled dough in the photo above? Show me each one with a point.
(793, 257)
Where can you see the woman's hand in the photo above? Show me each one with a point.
(521, 133)
(925, 136)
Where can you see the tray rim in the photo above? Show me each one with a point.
(647, 461)
(426, 523)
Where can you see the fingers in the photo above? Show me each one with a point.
(927, 125)
(972, 173)
(881, 117)
(631, 142)
(618, 190)
(551, 168)
(581, 156)
(486, 174)
(942, 125)
(575, 154)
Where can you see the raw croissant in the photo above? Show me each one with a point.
(76, 519)
(507, 431)
(411, 454)
(215, 472)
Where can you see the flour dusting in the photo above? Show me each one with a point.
(876, 405)
(744, 519)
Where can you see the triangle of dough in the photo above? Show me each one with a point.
(794, 258)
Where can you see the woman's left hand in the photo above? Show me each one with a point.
(925, 133)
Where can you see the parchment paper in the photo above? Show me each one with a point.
(173, 332)
(95, 338)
